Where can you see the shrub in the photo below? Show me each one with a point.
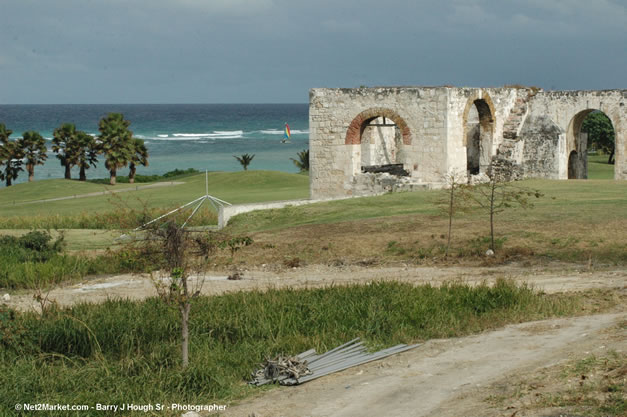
(35, 246)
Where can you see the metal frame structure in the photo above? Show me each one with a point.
(214, 201)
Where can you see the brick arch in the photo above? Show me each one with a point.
(485, 109)
(356, 128)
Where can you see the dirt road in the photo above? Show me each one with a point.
(551, 279)
(451, 377)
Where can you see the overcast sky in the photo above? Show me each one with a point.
(271, 51)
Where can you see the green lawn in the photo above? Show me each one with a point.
(599, 169)
(45, 189)
(587, 201)
(234, 187)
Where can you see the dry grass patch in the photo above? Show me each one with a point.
(421, 239)
(592, 384)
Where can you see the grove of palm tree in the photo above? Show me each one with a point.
(74, 148)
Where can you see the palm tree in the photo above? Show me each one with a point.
(115, 142)
(10, 156)
(87, 153)
(303, 160)
(138, 157)
(33, 146)
(245, 160)
(64, 144)
(4, 133)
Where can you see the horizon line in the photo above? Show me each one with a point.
(143, 104)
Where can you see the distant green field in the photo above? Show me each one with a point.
(234, 187)
(599, 169)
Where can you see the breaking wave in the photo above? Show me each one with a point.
(280, 132)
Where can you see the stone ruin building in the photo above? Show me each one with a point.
(366, 141)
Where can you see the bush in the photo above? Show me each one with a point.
(179, 172)
(35, 260)
(35, 246)
(148, 178)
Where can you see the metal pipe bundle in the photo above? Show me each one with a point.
(342, 357)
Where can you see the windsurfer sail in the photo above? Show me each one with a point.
(286, 134)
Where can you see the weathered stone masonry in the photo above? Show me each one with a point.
(433, 131)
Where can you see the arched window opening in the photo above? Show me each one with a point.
(380, 142)
(591, 140)
(381, 135)
(479, 127)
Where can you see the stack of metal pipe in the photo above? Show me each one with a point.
(342, 357)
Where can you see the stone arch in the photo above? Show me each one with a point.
(487, 107)
(481, 133)
(577, 142)
(357, 126)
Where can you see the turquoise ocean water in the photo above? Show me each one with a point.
(201, 136)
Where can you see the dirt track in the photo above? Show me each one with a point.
(450, 377)
(551, 279)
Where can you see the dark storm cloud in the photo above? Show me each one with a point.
(274, 50)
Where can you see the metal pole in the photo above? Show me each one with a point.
(167, 214)
(194, 212)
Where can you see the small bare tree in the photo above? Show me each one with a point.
(182, 256)
(500, 194)
(179, 253)
(454, 200)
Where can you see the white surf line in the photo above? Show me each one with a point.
(123, 190)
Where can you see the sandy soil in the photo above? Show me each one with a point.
(551, 279)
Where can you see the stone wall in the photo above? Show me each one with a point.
(336, 117)
(567, 109)
(525, 130)
(542, 141)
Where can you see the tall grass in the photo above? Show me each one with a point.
(123, 351)
(35, 261)
(66, 268)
